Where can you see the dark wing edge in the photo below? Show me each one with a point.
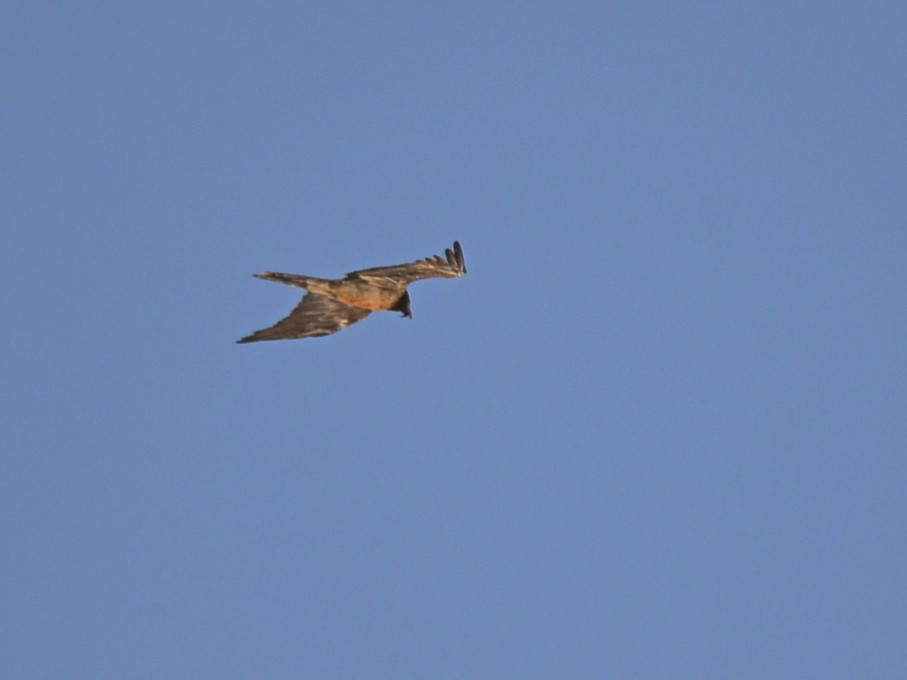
(314, 316)
(450, 266)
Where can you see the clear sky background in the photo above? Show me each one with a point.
(658, 431)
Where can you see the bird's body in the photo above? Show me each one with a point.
(333, 304)
(365, 294)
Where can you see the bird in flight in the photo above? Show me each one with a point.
(330, 305)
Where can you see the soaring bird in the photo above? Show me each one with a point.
(330, 305)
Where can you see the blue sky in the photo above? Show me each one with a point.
(657, 431)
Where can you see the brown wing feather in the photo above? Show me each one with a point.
(314, 316)
(450, 266)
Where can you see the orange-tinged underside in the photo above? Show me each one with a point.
(359, 294)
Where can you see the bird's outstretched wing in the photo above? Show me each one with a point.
(315, 315)
(450, 266)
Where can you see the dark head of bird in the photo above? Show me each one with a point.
(402, 305)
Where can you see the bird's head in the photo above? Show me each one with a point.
(402, 305)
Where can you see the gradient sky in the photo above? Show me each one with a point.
(658, 431)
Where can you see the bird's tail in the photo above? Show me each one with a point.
(297, 280)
